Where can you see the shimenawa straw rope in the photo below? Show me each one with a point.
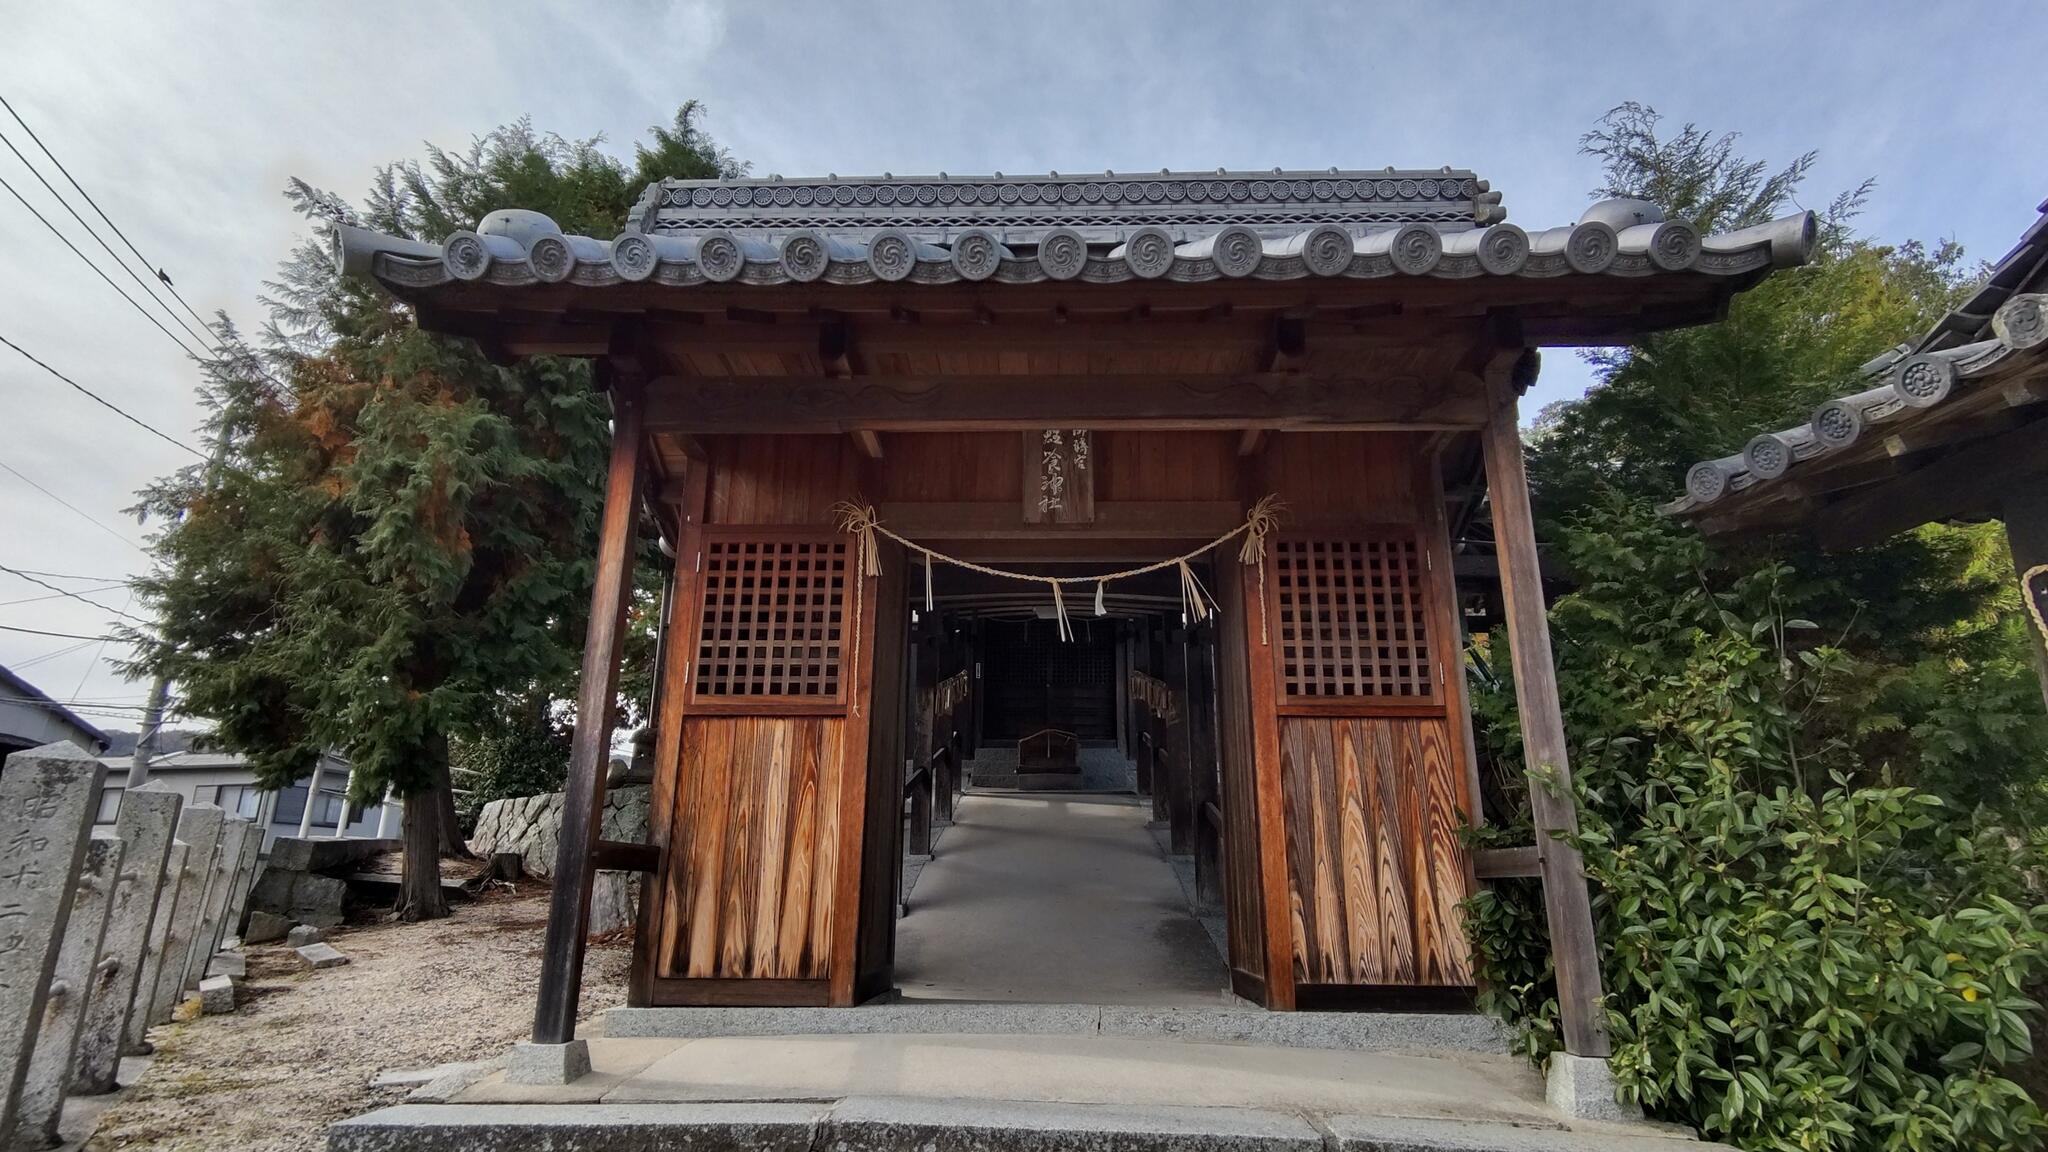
(859, 521)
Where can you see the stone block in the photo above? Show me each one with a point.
(47, 797)
(319, 956)
(228, 964)
(265, 928)
(300, 897)
(548, 1063)
(303, 935)
(147, 825)
(217, 995)
(324, 853)
(199, 826)
(77, 976)
(142, 1012)
(1582, 1087)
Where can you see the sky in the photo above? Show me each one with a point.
(185, 121)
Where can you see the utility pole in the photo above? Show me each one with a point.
(160, 690)
(146, 741)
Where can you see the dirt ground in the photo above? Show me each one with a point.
(301, 1048)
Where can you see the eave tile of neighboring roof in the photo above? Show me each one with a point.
(1980, 338)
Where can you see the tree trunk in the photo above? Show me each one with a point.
(441, 798)
(419, 890)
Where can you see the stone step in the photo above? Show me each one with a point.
(890, 1124)
(1352, 1031)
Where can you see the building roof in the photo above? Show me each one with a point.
(1173, 226)
(1974, 381)
(193, 760)
(19, 692)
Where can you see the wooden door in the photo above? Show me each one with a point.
(760, 885)
(1372, 791)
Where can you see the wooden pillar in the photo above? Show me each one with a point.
(2026, 533)
(1156, 639)
(1178, 787)
(1141, 714)
(561, 972)
(1566, 902)
(1207, 834)
(1123, 693)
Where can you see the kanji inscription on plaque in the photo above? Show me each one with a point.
(1059, 477)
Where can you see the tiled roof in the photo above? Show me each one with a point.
(1108, 229)
(2002, 323)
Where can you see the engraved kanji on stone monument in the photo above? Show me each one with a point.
(199, 827)
(46, 808)
(135, 1033)
(72, 984)
(219, 887)
(149, 817)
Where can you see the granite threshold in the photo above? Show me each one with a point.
(1247, 1024)
(889, 1124)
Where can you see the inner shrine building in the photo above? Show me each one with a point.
(859, 410)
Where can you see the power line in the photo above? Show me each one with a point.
(56, 596)
(101, 240)
(74, 595)
(98, 271)
(104, 402)
(74, 576)
(60, 635)
(96, 208)
(59, 499)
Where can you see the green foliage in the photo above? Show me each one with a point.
(1807, 782)
(394, 544)
(1799, 953)
(1787, 344)
(515, 760)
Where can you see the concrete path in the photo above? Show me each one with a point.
(1058, 898)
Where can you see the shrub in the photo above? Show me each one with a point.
(1800, 950)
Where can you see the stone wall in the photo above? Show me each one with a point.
(532, 827)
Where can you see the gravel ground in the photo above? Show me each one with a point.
(299, 1052)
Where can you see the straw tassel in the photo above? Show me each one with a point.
(1100, 609)
(858, 521)
(1261, 523)
(1194, 599)
(1059, 610)
(928, 582)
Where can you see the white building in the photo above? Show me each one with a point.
(315, 806)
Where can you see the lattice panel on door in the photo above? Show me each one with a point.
(1352, 621)
(772, 619)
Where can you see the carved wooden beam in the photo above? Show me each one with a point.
(710, 406)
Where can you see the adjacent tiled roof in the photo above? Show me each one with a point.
(2002, 322)
(1112, 228)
